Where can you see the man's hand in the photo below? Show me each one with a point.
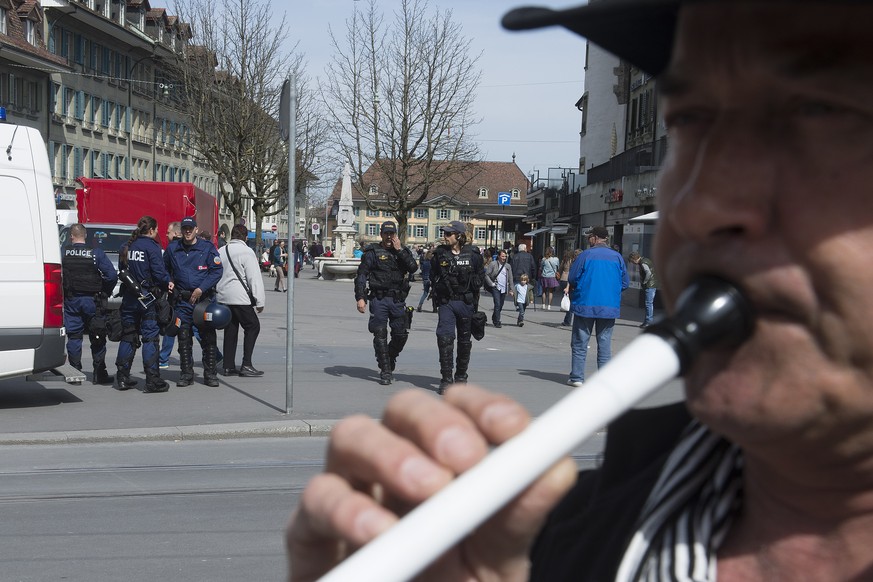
(376, 473)
(395, 243)
(195, 295)
(362, 305)
(259, 309)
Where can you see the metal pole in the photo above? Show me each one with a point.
(292, 219)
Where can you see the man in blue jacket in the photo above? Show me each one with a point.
(597, 278)
(195, 269)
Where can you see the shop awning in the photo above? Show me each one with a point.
(537, 231)
(650, 217)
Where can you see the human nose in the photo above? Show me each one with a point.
(726, 183)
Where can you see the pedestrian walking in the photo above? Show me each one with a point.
(498, 280)
(195, 269)
(549, 266)
(523, 297)
(424, 267)
(649, 283)
(143, 276)
(280, 259)
(457, 273)
(383, 280)
(241, 288)
(523, 262)
(566, 263)
(597, 278)
(88, 277)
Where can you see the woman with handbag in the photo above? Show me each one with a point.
(241, 288)
(548, 277)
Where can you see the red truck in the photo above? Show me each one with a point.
(124, 202)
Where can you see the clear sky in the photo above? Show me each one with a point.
(530, 80)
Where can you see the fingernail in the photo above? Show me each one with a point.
(372, 522)
(454, 447)
(420, 473)
(502, 415)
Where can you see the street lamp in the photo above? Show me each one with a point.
(130, 113)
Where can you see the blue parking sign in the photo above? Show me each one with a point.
(504, 198)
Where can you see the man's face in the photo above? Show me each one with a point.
(450, 237)
(387, 237)
(769, 183)
(189, 233)
(501, 257)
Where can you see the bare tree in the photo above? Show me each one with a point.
(232, 77)
(401, 100)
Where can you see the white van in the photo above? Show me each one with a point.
(32, 337)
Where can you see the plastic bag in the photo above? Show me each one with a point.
(565, 303)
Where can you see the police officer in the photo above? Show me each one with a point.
(195, 269)
(143, 277)
(87, 272)
(457, 273)
(385, 266)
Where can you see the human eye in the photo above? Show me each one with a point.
(815, 108)
(687, 118)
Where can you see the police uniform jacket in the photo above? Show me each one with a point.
(87, 271)
(145, 264)
(385, 269)
(193, 267)
(457, 277)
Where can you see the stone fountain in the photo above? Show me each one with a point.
(342, 265)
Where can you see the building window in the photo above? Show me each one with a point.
(421, 213)
(372, 230)
(516, 194)
(356, 211)
(30, 31)
(466, 215)
(483, 192)
(443, 214)
(480, 233)
(3, 20)
(438, 232)
(420, 231)
(372, 213)
(374, 190)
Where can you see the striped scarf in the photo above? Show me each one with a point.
(688, 513)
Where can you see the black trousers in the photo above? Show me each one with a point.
(246, 317)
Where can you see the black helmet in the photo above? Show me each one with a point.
(214, 315)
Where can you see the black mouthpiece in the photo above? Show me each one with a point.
(711, 312)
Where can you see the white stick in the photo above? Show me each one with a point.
(443, 520)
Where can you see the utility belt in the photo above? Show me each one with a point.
(395, 294)
(465, 297)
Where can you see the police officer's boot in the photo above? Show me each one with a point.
(122, 374)
(446, 345)
(398, 340)
(465, 346)
(101, 376)
(75, 363)
(383, 358)
(154, 383)
(210, 362)
(186, 359)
